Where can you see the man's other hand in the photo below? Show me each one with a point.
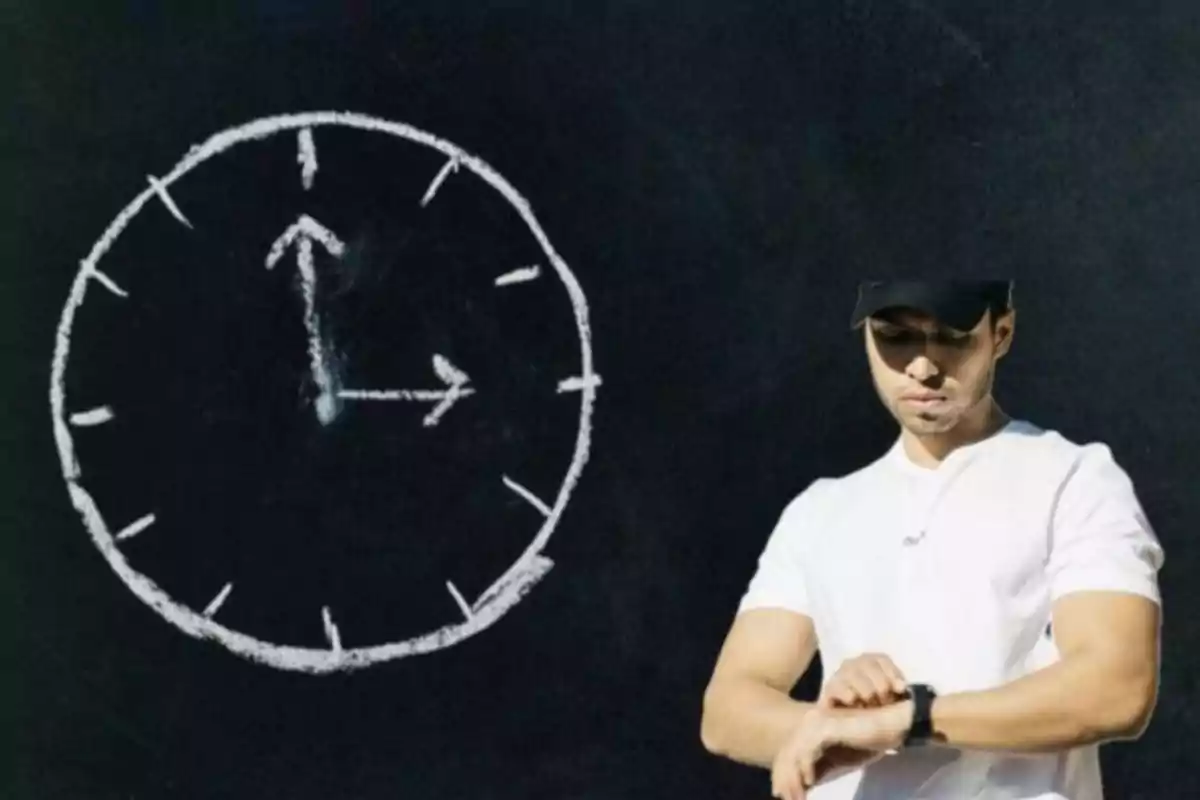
(829, 743)
(870, 680)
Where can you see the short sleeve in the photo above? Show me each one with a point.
(1101, 539)
(778, 581)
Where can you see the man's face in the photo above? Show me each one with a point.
(928, 375)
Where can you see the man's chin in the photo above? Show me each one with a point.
(926, 424)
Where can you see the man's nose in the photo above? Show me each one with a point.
(922, 368)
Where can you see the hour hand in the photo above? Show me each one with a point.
(456, 388)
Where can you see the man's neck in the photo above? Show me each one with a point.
(929, 451)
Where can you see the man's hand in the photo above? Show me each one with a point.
(832, 742)
(870, 680)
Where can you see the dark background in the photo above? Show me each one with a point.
(719, 177)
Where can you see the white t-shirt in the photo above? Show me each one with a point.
(952, 573)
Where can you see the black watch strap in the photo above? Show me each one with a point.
(921, 730)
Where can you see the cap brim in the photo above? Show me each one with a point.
(955, 311)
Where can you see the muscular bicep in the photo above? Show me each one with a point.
(1117, 635)
(772, 639)
(1121, 627)
(767, 645)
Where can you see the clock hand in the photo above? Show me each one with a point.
(456, 387)
(302, 234)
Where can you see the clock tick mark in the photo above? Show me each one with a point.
(579, 384)
(331, 631)
(307, 157)
(529, 496)
(95, 416)
(218, 601)
(107, 282)
(523, 275)
(160, 189)
(458, 598)
(451, 166)
(135, 528)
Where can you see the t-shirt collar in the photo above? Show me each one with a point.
(897, 456)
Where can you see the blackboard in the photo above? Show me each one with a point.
(430, 374)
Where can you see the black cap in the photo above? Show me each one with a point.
(957, 303)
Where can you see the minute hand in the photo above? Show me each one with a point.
(302, 233)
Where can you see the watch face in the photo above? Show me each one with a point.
(322, 391)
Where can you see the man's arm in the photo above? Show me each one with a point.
(1104, 688)
(748, 713)
(1106, 617)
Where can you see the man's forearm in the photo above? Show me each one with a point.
(1074, 702)
(748, 721)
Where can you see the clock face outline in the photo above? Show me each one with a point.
(303, 237)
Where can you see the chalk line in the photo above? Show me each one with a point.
(325, 406)
(331, 631)
(959, 36)
(528, 495)
(133, 529)
(451, 165)
(505, 592)
(422, 395)
(452, 376)
(161, 190)
(95, 416)
(304, 228)
(456, 381)
(580, 384)
(307, 157)
(519, 276)
(516, 582)
(218, 601)
(108, 283)
(458, 598)
(303, 233)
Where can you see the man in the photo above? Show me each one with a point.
(983, 596)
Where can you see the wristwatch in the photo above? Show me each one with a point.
(920, 732)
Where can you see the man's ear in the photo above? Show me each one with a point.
(1005, 327)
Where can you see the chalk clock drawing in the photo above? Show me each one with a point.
(301, 248)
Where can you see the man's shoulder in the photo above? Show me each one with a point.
(828, 489)
(826, 496)
(1034, 446)
(1042, 454)
(810, 500)
(1025, 447)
